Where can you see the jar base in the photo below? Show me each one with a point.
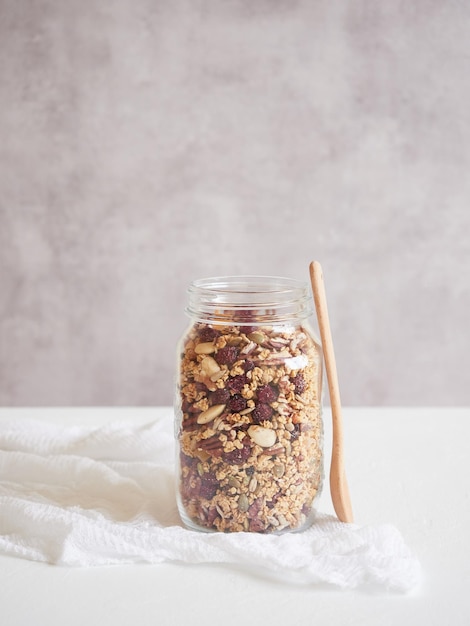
(192, 524)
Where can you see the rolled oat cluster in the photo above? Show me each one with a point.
(249, 427)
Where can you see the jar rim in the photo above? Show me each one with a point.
(270, 298)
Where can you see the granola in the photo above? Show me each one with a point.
(249, 427)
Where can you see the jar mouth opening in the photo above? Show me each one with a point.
(267, 298)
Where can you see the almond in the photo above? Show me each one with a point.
(212, 412)
(209, 366)
(264, 437)
(205, 348)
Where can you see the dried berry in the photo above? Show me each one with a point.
(219, 396)
(255, 508)
(272, 503)
(187, 461)
(227, 355)
(299, 382)
(212, 515)
(238, 457)
(262, 412)
(248, 365)
(209, 484)
(237, 403)
(267, 394)
(306, 508)
(257, 525)
(295, 432)
(206, 333)
(247, 317)
(236, 383)
(191, 487)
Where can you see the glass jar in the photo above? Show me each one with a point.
(248, 407)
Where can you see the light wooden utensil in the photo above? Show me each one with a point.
(338, 483)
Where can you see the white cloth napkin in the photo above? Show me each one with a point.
(80, 496)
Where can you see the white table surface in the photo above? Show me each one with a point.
(406, 466)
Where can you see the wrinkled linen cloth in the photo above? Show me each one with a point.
(82, 496)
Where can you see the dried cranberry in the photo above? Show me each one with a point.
(237, 403)
(227, 355)
(262, 412)
(306, 508)
(299, 382)
(272, 503)
(248, 365)
(267, 394)
(190, 487)
(206, 333)
(255, 508)
(212, 515)
(209, 484)
(238, 457)
(257, 525)
(237, 383)
(247, 317)
(187, 461)
(219, 396)
(296, 432)
(193, 409)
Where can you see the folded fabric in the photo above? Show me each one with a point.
(79, 496)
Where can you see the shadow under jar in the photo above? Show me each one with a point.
(248, 407)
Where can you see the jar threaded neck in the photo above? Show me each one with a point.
(264, 299)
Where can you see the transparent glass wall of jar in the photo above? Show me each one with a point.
(248, 407)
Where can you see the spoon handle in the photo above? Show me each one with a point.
(338, 484)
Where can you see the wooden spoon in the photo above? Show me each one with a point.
(338, 483)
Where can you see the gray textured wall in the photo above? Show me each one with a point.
(145, 143)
